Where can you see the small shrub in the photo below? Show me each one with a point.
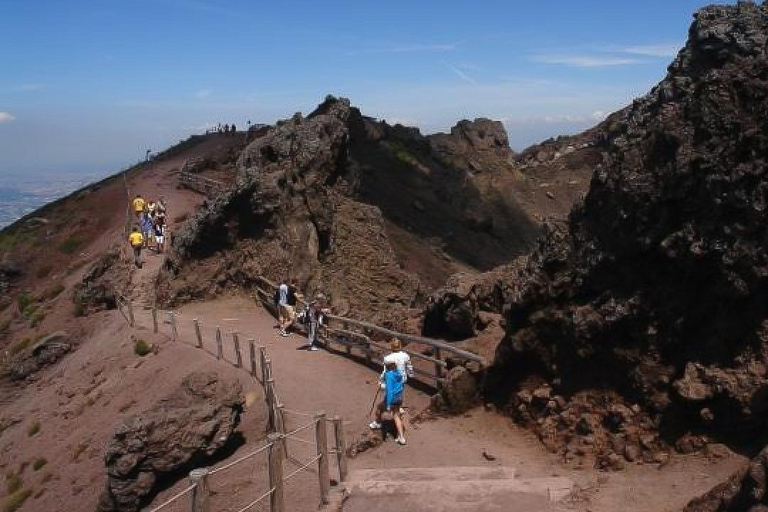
(29, 311)
(20, 346)
(39, 463)
(43, 271)
(16, 500)
(142, 348)
(38, 317)
(34, 428)
(24, 300)
(12, 483)
(4, 325)
(55, 291)
(70, 245)
(79, 309)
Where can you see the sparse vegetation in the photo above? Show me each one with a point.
(142, 348)
(37, 317)
(55, 291)
(13, 483)
(70, 245)
(79, 451)
(20, 346)
(79, 309)
(24, 300)
(39, 463)
(14, 501)
(33, 429)
(4, 325)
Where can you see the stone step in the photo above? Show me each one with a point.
(463, 483)
(459, 473)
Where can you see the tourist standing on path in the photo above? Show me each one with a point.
(139, 204)
(281, 300)
(147, 228)
(160, 232)
(402, 363)
(314, 319)
(137, 242)
(393, 401)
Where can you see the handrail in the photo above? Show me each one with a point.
(442, 345)
(174, 498)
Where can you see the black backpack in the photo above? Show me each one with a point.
(277, 296)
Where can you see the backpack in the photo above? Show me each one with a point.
(277, 296)
(291, 299)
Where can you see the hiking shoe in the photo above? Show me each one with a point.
(400, 440)
(313, 348)
(374, 425)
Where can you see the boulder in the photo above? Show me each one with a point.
(183, 431)
(459, 392)
(47, 351)
(95, 292)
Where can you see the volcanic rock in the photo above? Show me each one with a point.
(657, 288)
(47, 351)
(96, 291)
(181, 432)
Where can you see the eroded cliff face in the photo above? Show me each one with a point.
(373, 215)
(646, 314)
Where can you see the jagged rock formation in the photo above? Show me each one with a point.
(653, 299)
(183, 431)
(46, 351)
(96, 291)
(371, 214)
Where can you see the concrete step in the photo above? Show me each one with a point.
(459, 483)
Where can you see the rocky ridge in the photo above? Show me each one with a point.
(640, 326)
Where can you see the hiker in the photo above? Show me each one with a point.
(161, 206)
(151, 209)
(147, 229)
(137, 242)
(284, 314)
(393, 400)
(313, 318)
(138, 206)
(401, 359)
(160, 232)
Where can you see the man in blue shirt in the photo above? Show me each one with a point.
(393, 399)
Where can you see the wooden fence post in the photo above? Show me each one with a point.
(200, 501)
(198, 336)
(174, 328)
(219, 349)
(155, 327)
(263, 364)
(252, 354)
(276, 502)
(341, 453)
(131, 319)
(438, 368)
(280, 420)
(238, 356)
(321, 438)
(269, 394)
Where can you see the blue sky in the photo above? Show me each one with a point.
(88, 86)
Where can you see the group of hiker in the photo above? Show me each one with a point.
(150, 229)
(397, 364)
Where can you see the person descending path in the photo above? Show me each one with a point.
(139, 204)
(160, 232)
(147, 229)
(137, 242)
(402, 363)
(393, 401)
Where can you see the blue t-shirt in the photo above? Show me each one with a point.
(394, 383)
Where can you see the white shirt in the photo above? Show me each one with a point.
(403, 362)
(283, 301)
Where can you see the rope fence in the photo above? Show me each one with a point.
(259, 366)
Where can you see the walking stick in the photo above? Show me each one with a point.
(373, 404)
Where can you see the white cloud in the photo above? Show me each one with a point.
(663, 50)
(584, 61)
(6, 117)
(202, 93)
(461, 74)
(599, 115)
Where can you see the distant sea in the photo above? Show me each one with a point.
(22, 196)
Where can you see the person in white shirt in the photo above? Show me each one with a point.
(402, 362)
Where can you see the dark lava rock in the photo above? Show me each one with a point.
(658, 286)
(96, 291)
(181, 432)
(47, 351)
(459, 392)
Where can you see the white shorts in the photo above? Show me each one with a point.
(159, 238)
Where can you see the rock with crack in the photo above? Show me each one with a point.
(47, 351)
(187, 428)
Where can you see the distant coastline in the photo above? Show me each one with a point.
(22, 197)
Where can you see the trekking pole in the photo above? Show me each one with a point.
(373, 404)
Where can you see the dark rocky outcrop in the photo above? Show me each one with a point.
(96, 291)
(746, 491)
(653, 299)
(46, 351)
(181, 432)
